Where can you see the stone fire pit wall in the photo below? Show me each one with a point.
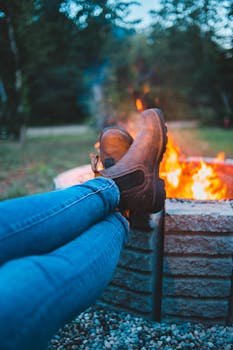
(136, 286)
(197, 262)
(175, 267)
(194, 264)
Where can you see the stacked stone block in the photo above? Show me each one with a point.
(181, 272)
(136, 286)
(197, 263)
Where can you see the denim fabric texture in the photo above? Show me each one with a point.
(58, 252)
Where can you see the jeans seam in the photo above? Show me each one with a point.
(65, 287)
(23, 227)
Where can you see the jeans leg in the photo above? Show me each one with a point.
(39, 294)
(40, 223)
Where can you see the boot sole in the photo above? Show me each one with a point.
(159, 183)
(164, 132)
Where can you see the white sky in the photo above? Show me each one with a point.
(141, 11)
(136, 11)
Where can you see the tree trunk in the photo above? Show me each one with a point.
(3, 95)
(18, 75)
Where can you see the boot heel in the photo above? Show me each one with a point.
(160, 196)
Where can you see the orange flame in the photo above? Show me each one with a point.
(190, 180)
(206, 184)
(184, 178)
(220, 157)
(171, 167)
(139, 105)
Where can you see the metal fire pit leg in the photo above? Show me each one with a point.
(136, 285)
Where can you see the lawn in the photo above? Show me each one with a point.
(32, 167)
(206, 142)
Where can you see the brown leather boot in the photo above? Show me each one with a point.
(114, 143)
(137, 172)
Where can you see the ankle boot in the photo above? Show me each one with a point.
(137, 172)
(114, 143)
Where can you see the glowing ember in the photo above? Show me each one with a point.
(190, 180)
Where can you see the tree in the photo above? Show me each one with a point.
(12, 78)
(101, 39)
(59, 54)
(189, 49)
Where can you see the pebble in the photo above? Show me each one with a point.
(100, 329)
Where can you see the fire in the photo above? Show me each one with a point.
(139, 105)
(205, 183)
(171, 166)
(190, 180)
(220, 157)
(184, 177)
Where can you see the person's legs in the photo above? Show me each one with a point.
(39, 294)
(40, 223)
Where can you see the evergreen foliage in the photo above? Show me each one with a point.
(65, 60)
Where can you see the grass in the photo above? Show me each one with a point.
(32, 167)
(206, 142)
(218, 140)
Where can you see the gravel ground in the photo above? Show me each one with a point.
(100, 329)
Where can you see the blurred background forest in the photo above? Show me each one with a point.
(68, 62)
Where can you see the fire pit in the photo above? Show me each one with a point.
(197, 261)
(196, 177)
(181, 270)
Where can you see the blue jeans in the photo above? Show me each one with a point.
(58, 251)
